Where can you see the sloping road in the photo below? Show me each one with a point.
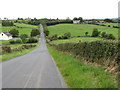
(33, 70)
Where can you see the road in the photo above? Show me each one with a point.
(36, 69)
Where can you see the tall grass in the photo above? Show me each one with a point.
(79, 75)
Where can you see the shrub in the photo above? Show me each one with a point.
(95, 32)
(14, 32)
(23, 38)
(18, 41)
(12, 41)
(86, 33)
(67, 35)
(6, 49)
(110, 36)
(103, 34)
(35, 32)
(7, 23)
(32, 40)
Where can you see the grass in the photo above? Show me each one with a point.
(15, 54)
(25, 25)
(26, 28)
(80, 29)
(79, 75)
(111, 24)
(82, 39)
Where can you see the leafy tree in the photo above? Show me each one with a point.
(14, 32)
(86, 33)
(32, 40)
(24, 38)
(95, 32)
(35, 32)
(7, 23)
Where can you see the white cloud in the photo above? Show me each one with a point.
(59, 8)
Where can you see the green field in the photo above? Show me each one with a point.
(80, 29)
(79, 75)
(82, 39)
(25, 25)
(111, 24)
(26, 29)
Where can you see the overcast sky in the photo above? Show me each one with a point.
(88, 9)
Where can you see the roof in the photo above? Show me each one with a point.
(7, 33)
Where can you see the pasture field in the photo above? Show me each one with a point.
(25, 25)
(111, 24)
(76, 39)
(26, 28)
(79, 29)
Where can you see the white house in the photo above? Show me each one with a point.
(76, 21)
(5, 36)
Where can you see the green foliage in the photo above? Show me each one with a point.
(35, 32)
(14, 32)
(23, 38)
(93, 51)
(95, 32)
(86, 33)
(32, 40)
(18, 41)
(7, 23)
(67, 35)
(103, 34)
(12, 41)
(110, 36)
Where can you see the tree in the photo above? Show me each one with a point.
(95, 32)
(35, 32)
(23, 38)
(81, 19)
(86, 33)
(103, 34)
(108, 20)
(14, 32)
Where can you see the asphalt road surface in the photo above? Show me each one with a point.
(36, 69)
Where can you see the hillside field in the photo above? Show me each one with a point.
(25, 28)
(80, 29)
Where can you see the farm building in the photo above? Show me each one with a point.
(76, 21)
(5, 36)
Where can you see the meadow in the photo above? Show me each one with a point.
(79, 29)
(76, 39)
(111, 24)
(24, 28)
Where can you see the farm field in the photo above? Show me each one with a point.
(79, 29)
(111, 24)
(77, 39)
(26, 29)
(25, 25)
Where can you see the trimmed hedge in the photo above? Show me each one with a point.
(97, 51)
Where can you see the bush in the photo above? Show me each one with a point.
(12, 41)
(95, 32)
(86, 33)
(103, 34)
(7, 23)
(110, 36)
(6, 49)
(35, 32)
(23, 38)
(67, 35)
(97, 51)
(14, 32)
(32, 40)
(18, 41)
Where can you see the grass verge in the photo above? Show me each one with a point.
(79, 75)
(15, 54)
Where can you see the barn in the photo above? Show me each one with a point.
(5, 36)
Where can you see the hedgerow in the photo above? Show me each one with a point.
(97, 51)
